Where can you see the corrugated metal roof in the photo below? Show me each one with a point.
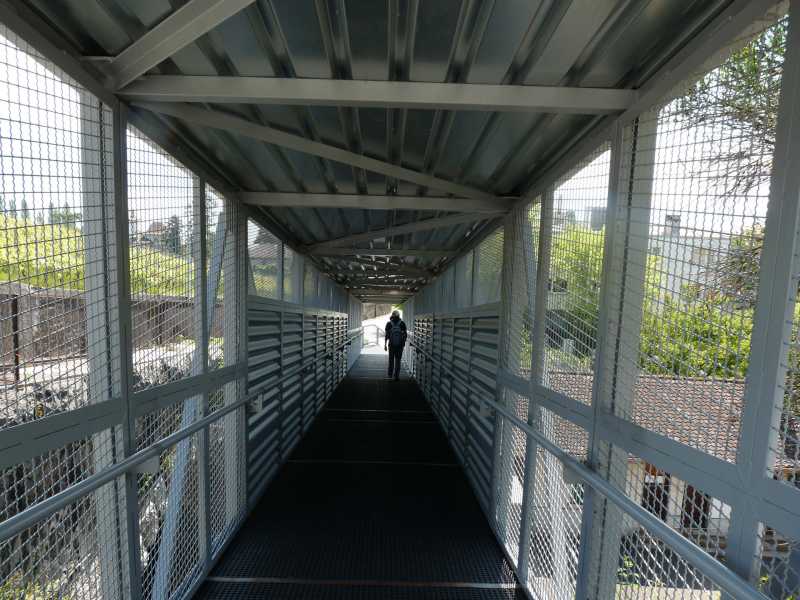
(589, 43)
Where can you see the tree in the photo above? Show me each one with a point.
(172, 237)
(63, 216)
(733, 278)
(741, 94)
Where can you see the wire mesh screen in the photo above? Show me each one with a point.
(292, 276)
(225, 462)
(577, 233)
(648, 566)
(463, 280)
(55, 308)
(779, 573)
(221, 217)
(555, 511)
(264, 257)
(786, 429)
(71, 554)
(310, 277)
(54, 556)
(696, 213)
(511, 473)
(488, 268)
(168, 499)
(162, 214)
(519, 283)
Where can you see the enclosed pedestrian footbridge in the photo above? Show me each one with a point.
(586, 212)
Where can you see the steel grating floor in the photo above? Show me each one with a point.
(371, 504)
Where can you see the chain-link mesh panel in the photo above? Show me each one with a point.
(488, 270)
(162, 218)
(555, 530)
(73, 553)
(779, 573)
(264, 258)
(168, 499)
(56, 306)
(698, 516)
(225, 459)
(576, 257)
(510, 475)
(649, 568)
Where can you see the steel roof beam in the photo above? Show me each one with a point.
(376, 202)
(387, 232)
(706, 49)
(417, 252)
(177, 31)
(389, 94)
(398, 270)
(233, 124)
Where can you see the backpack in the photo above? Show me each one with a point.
(396, 335)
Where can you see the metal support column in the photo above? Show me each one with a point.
(619, 328)
(203, 300)
(102, 343)
(773, 319)
(123, 359)
(538, 274)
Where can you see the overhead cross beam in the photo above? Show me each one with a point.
(415, 252)
(384, 269)
(181, 28)
(233, 124)
(392, 94)
(425, 225)
(376, 202)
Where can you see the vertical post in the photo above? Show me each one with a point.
(122, 351)
(203, 312)
(235, 352)
(100, 342)
(538, 289)
(280, 274)
(619, 329)
(773, 319)
(499, 442)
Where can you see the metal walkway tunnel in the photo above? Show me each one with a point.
(372, 503)
(586, 211)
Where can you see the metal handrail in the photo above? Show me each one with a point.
(40, 511)
(730, 581)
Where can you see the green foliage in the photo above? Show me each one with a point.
(15, 588)
(52, 256)
(742, 94)
(689, 337)
(696, 340)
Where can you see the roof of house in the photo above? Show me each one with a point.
(701, 413)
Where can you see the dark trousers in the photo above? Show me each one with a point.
(395, 354)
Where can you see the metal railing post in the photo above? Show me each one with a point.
(124, 350)
(538, 289)
(773, 318)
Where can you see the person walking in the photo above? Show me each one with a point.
(396, 334)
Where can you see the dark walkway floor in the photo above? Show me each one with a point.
(371, 505)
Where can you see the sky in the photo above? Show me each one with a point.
(42, 155)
